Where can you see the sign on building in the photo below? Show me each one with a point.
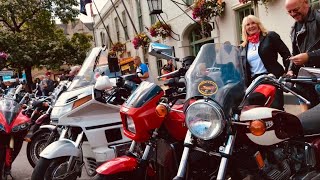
(6, 73)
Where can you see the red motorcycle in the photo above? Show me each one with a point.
(152, 128)
(14, 125)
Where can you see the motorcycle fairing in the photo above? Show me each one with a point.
(60, 148)
(280, 125)
(310, 121)
(116, 165)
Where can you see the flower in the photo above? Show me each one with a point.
(206, 9)
(4, 55)
(118, 47)
(140, 40)
(265, 2)
(160, 29)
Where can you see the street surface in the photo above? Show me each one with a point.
(22, 170)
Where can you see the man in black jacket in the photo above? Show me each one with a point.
(305, 36)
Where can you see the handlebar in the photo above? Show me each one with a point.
(173, 73)
(266, 79)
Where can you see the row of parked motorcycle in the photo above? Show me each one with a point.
(207, 124)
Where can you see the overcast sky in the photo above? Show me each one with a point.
(99, 3)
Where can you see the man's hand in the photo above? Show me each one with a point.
(289, 73)
(300, 59)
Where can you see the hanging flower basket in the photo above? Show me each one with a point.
(206, 9)
(118, 47)
(206, 28)
(160, 29)
(264, 2)
(140, 40)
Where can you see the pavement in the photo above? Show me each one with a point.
(291, 104)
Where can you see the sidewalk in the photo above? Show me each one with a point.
(291, 104)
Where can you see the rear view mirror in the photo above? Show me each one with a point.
(161, 51)
(103, 83)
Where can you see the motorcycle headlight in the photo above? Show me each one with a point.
(205, 119)
(130, 125)
(59, 111)
(20, 127)
(2, 128)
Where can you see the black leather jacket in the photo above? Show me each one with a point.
(307, 39)
(270, 46)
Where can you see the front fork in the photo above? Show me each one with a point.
(224, 151)
(9, 150)
(184, 158)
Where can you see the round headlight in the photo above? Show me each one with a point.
(205, 120)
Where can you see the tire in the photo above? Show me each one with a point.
(37, 144)
(45, 168)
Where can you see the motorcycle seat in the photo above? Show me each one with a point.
(310, 121)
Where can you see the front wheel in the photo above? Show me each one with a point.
(38, 143)
(47, 169)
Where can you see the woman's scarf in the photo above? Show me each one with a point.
(254, 38)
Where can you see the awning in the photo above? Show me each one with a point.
(126, 60)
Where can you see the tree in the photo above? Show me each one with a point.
(29, 34)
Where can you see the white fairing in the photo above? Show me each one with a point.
(257, 113)
(103, 83)
(261, 113)
(267, 139)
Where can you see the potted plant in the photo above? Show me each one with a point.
(264, 2)
(160, 29)
(206, 9)
(140, 40)
(118, 47)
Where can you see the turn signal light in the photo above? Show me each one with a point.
(257, 127)
(161, 110)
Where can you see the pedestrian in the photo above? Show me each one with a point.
(305, 38)
(74, 70)
(167, 68)
(261, 49)
(142, 70)
(46, 85)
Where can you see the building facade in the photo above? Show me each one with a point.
(185, 39)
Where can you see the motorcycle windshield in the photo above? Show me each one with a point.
(145, 92)
(95, 64)
(217, 72)
(9, 109)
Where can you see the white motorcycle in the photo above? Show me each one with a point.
(91, 127)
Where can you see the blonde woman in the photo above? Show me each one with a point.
(261, 49)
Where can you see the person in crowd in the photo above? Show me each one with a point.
(36, 87)
(305, 36)
(167, 68)
(142, 70)
(46, 85)
(261, 49)
(74, 70)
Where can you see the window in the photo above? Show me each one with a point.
(125, 26)
(139, 12)
(314, 4)
(241, 13)
(108, 44)
(159, 66)
(103, 38)
(153, 18)
(189, 2)
(116, 24)
(197, 39)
